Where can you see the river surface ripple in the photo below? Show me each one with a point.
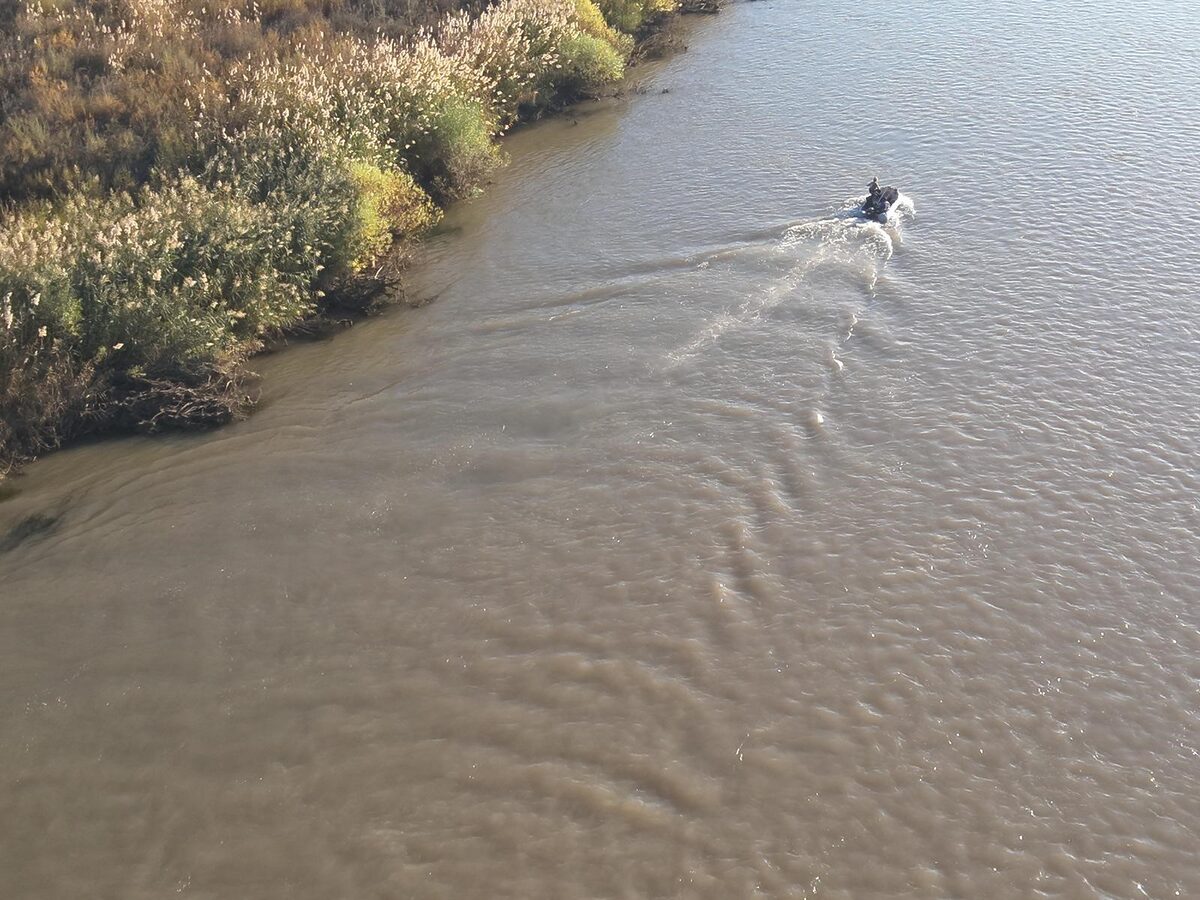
(697, 541)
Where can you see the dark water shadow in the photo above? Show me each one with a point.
(31, 528)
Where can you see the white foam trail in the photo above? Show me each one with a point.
(844, 239)
(851, 324)
(749, 310)
(831, 358)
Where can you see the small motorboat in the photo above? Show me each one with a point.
(879, 201)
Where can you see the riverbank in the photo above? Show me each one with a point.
(184, 184)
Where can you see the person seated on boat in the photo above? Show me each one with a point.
(879, 200)
(871, 204)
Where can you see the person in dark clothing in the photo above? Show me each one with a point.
(879, 200)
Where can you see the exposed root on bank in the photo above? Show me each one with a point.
(185, 401)
(67, 406)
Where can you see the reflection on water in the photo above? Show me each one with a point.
(700, 540)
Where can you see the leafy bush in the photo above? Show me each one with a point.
(390, 205)
(587, 63)
(456, 151)
(630, 15)
(591, 21)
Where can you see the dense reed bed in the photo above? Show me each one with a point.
(183, 179)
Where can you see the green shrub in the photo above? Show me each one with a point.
(390, 205)
(631, 15)
(457, 151)
(588, 63)
(591, 21)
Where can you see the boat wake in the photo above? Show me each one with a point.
(844, 242)
(848, 226)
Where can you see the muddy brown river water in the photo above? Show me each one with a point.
(698, 541)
